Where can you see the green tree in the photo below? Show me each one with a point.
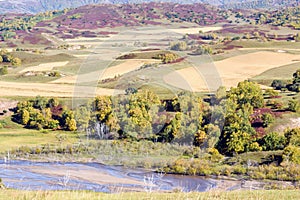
(221, 93)
(40, 102)
(82, 116)
(237, 141)
(247, 92)
(200, 138)
(71, 125)
(291, 154)
(171, 130)
(24, 116)
(16, 61)
(267, 119)
(292, 136)
(53, 102)
(192, 111)
(278, 84)
(68, 121)
(179, 46)
(273, 141)
(294, 105)
(3, 70)
(103, 107)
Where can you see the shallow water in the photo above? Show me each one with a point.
(28, 175)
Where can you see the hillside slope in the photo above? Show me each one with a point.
(35, 6)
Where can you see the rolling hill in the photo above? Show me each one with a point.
(35, 6)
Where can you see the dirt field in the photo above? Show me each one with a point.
(233, 70)
(44, 67)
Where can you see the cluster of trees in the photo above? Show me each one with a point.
(293, 86)
(6, 57)
(187, 119)
(179, 46)
(283, 17)
(197, 49)
(203, 49)
(42, 113)
(167, 57)
(226, 123)
(208, 36)
(9, 26)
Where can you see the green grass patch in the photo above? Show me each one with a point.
(13, 135)
(80, 195)
(32, 58)
(279, 73)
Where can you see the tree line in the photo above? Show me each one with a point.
(226, 122)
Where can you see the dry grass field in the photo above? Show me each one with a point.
(110, 72)
(50, 90)
(44, 67)
(233, 70)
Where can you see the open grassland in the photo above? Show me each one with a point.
(110, 72)
(279, 73)
(232, 70)
(44, 67)
(51, 90)
(13, 136)
(70, 195)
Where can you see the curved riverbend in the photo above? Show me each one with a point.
(27, 175)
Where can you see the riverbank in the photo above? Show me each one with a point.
(29, 175)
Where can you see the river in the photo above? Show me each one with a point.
(27, 175)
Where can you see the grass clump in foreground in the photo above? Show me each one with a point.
(70, 195)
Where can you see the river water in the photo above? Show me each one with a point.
(27, 175)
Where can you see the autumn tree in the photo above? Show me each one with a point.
(179, 46)
(247, 92)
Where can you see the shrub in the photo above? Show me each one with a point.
(179, 46)
(267, 119)
(292, 137)
(272, 141)
(294, 106)
(3, 70)
(278, 84)
(291, 154)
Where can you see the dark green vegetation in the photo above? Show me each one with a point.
(7, 59)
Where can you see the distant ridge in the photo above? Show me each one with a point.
(36, 6)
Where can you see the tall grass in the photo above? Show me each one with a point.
(81, 195)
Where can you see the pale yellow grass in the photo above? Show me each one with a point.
(51, 90)
(111, 72)
(87, 41)
(44, 67)
(232, 70)
(195, 30)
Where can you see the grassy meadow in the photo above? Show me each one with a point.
(213, 195)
